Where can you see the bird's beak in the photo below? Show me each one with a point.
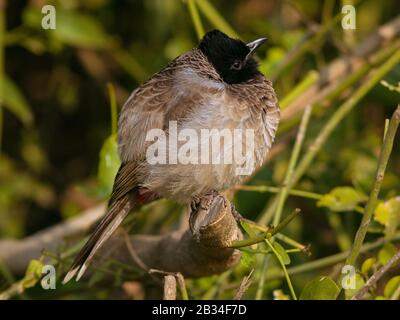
(254, 45)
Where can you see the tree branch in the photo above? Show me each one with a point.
(199, 251)
(376, 276)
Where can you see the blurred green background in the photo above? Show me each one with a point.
(56, 110)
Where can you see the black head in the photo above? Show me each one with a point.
(232, 58)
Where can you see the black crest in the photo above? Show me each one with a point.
(230, 57)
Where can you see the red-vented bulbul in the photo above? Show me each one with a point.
(214, 86)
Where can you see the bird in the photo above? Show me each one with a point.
(216, 85)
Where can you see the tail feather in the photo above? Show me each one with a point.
(114, 217)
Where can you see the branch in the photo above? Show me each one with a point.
(276, 273)
(16, 254)
(202, 250)
(376, 276)
(199, 251)
(340, 113)
(331, 76)
(373, 198)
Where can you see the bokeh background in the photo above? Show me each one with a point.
(56, 120)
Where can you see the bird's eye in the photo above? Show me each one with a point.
(237, 65)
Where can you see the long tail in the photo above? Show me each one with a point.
(115, 215)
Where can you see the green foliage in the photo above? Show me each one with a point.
(342, 199)
(391, 286)
(33, 274)
(367, 265)
(15, 101)
(321, 288)
(282, 253)
(54, 85)
(73, 28)
(359, 283)
(386, 252)
(388, 214)
(108, 164)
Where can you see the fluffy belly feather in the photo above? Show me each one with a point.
(212, 151)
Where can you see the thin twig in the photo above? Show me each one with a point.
(376, 276)
(113, 108)
(135, 257)
(372, 201)
(194, 13)
(327, 261)
(292, 163)
(292, 192)
(2, 32)
(182, 286)
(267, 235)
(332, 123)
(283, 193)
(280, 236)
(283, 269)
(215, 18)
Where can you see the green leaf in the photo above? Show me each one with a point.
(391, 286)
(247, 259)
(33, 274)
(386, 252)
(359, 284)
(281, 251)
(322, 288)
(247, 228)
(80, 30)
(381, 214)
(16, 103)
(388, 214)
(109, 163)
(72, 28)
(342, 199)
(367, 265)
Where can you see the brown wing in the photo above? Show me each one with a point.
(164, 97)
(169, 95)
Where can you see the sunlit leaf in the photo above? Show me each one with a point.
(247, 259)
(33, 273)
(342, 199)
(391, 286)
(368, 264)
(80, 30)
(322, 288)
(72, 28)
(15, 101)
(386, 252)
(388, 214)
(109, 163)
(247, 228)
